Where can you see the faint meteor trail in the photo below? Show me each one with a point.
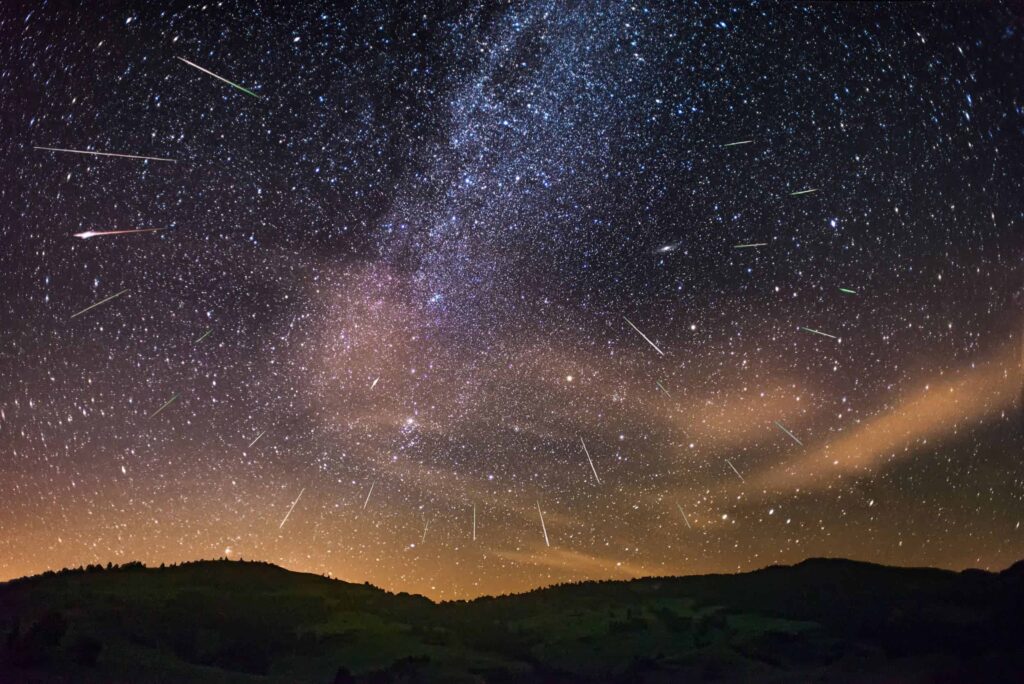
(474, 522)
(102, 301)
(818, 332)
(542, 525)
(643, 336)
(752, 244)
(203, 336)
(166, 404)
(220, 78)
(426, 524)
(685, 519)
(590, 460)
(740, 142)
(734, 470)
(291, 509)
(783, 428)
(368, 494)
(662, 388)
(94, 233)
(847, 291)
(803, 192)
(256, 440)
(105, 154)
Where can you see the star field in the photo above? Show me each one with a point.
(708, 287)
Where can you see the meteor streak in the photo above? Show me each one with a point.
(662, 388)
(104, 154)
(685, 519)
(818, 332)
(256, 440)
(734, 470)
(847, 291)
(368, 494)
(783, 428)
(291, 509)
(542, 525)
(590, 460)
(741, 142)
(643, 336)
(166, 404)
(93, 233)
(803, 192)
(102, 301)
(375, 381)
(474, 522)
(752, 244)
(203, 336)
(220, 78)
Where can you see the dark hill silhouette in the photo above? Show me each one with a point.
(827, 620)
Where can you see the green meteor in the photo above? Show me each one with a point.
(843, 289)
(203, 336)
(220, 78)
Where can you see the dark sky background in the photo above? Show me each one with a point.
(405, 271)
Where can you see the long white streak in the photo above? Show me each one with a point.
(643, 336)
(104, 154)
(818, 332)
(739, 142)
(257, 439)
(474, 522)
(220, 78)
(803, 192)
(751, 244)
(94, 233)
(685, 519)
(783, 428)
(426, 524)
(291, 509)
(734, 470)
(590, 460)
(375, 381)
(368, 494)
(542, 525)
(166, 404)
(93, 306)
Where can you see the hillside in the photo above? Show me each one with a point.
(222, 621)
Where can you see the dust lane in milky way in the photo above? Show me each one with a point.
(640, 289)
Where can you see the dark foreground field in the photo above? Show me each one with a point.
(221, 621)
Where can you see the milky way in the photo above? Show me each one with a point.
(705, 287)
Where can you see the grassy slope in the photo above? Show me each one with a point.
(250, 622)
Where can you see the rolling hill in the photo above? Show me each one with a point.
(824, 620)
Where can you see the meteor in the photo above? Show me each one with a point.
(166, 404)
(102, 301)
(291, 509)
(474, 522)
(368, 494)
(220, 78)
(203, 336)
(662, 388)
(542, 525)
(256, 440)
(643, 336)
(752, 244)
(783, 428)
(818, 332)
(104, 154)
(375, 381)
(847, 291)
(590, 460)
(93, 233)
(741, 142)
(685, 519)
(803, 192)
(734, 470)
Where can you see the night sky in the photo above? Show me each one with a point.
(706, 287)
